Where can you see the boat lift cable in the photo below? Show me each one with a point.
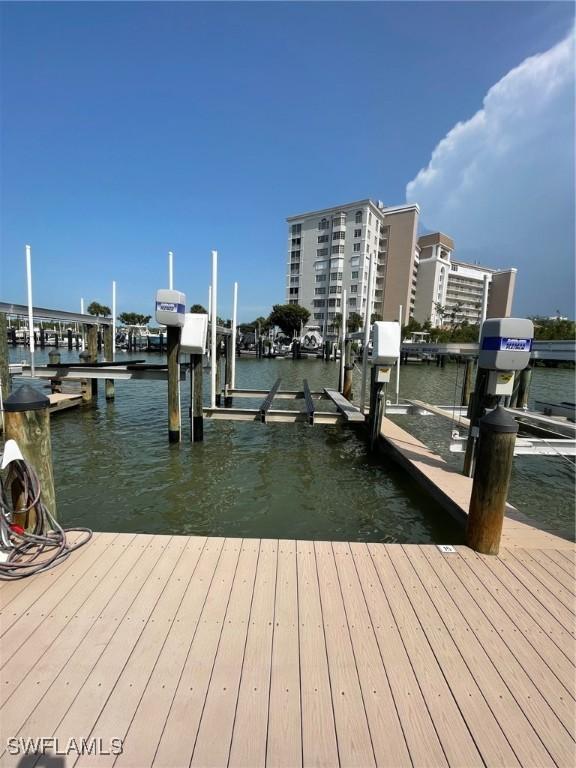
(35, 551)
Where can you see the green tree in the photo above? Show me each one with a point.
(555, 329)
(355, 322)
(98, 310)
(133, 318)
(289, 318)
(198, 309)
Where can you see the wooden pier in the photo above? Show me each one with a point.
(231, 652)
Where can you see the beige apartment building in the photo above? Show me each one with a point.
(450, 291)
(329, 251)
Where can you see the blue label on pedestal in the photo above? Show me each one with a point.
(505, 344)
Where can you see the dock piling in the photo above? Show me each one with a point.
(196, 398)
(525, 379)
(173, 348)
(492, 473)
(27, 421)
(109, 357)
(4, 364)
(348, 369)
(55, 383)
(92, 349)
(229, 342)
(467, 384)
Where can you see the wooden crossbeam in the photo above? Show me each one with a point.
(349, 411)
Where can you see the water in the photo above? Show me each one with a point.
(115, 471)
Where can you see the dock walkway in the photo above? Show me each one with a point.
(246, 652)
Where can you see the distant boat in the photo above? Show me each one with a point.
(312, 341)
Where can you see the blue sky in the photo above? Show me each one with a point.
(129, 129)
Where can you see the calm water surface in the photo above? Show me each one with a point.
(114, 469)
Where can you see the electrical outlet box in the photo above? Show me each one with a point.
(500, 383)
(194, 333)
(386, 343)
(170, 307)
(505, 344)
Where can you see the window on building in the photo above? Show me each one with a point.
(339, 235)
(294, 280)
(322, 238)
(335, 275)
(296, 229)
(339, 220)
(357, 233)
(369, 217)
(353, 289)
(352, 302)
(367, 247)
(323, 224)
(356, 247)
(320, 291)
(318, 315)
(295, 255)
(321, 278)
(293, 301)
(322, 252)
(296, 240)
(294, 268)
(354, 275)
(355, 261)
(334, 302)
(335, 289)
(320, 265)
(319, 302)
(293, 291)
(358, 217)
(337, 249)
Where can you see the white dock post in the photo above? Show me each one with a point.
(367, 333)
(214, 361)
(170, 270)
(30, 313)
(113, 320)
(399, 353)
(234, 322)
(343, 344)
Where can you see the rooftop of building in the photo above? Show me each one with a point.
(378, 207)
(436, 238)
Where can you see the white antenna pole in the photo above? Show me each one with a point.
(399, 353)
(170, 270)
(234, 322)
(343, 345)
(214, 363)
(82, 331)
(113, 320)
(81, 306)
(367, 316)
(30, 313)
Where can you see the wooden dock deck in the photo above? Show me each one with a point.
(230, 652)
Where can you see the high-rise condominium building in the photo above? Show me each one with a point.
(329, 251)
(450, 291)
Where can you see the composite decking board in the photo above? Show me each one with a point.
(484, 726)
(558, 741)
(63, 685)
(569, 554)
(428, 711)
(515, 587)
(212, 747)
(86, 707)
(42, 586)
(284, 742)
(355, 746)
(531, 646)
(539, 591)
(319, 745)
(144, 732)
(46, 651)
(146, 641)
(519, 730)
(250, 731)
(554, 577)
(176, 743)
(561, 562)
(116, 715)
(388, 737)
(63, 598)
(9, 590)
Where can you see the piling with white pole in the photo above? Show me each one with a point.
(234, 323)
(214, 297)
(343, 344)
(30, 313)
(367, 333)
(170, 270)
(113, 320)
(399, 353)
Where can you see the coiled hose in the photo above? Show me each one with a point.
(35, 551)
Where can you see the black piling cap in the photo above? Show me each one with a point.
(26, 398)
(85, 355)
(499, 420)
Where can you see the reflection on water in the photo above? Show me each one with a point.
(114, 469)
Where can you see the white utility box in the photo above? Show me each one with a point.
(505, 343)
(194, 333)
(386, 343)
(170, 307)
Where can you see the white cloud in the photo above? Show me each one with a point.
(502, 182)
